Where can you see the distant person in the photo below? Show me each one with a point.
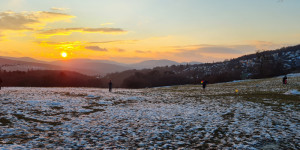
(284, 80)
(110, 86)
(0, 83)
(204, 84)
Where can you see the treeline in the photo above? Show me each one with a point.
(48, 78)
(175, 75)
(266, 64)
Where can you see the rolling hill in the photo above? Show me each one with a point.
(84, 66)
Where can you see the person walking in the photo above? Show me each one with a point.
(204, 84)
(284, 80)
(110, 86)
(0, 83)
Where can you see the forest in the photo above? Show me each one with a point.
(48, 78)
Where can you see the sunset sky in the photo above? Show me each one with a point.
(130, 31)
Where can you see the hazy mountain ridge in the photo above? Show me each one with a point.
(22, 65)
(91, 67)
(153, 63)
(84, 66)
(26, 59)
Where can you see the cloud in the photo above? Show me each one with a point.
(68, 31)
(209, 53)
(121, 50)
(220, 52)
(71, 45)
(140, 51)
(211, 49)
(249, 47)
(265, 45)
(218, 49)
(15, 21)
(95, 48)
(29, 21)
(67, 46)
(59, 9)
(44, 16)
(117, 42)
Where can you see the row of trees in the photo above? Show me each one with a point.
(48, 78)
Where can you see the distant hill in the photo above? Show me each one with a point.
(84, 66)
(27, 59)
(91, 67)
(153, 63)
(22, 65)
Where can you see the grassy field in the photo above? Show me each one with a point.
(249, 114)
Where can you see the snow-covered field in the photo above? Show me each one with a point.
(254, 114)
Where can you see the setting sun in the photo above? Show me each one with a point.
(64, 54)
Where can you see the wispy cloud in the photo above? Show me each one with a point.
(117, 42)
(59, 9)
(209, 49)
(29, 21)
(68, 31)
(250, 46)
(143, 52)
(67, 46)
(210, 53)
(95, 48)
(266, 45)
(218, 49)
(120, 50)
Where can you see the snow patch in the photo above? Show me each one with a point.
(292, 92)
(105, 102)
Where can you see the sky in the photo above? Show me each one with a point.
(136, 30)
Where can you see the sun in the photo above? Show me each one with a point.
(64, 54)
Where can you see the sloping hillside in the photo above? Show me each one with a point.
(260, 65)
(262, 114)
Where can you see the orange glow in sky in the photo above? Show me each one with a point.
(182, 31)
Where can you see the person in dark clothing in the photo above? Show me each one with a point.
(204, 84)
(284, 80)
(0, 83)
(110, 86)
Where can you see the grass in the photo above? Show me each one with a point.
(269, 92)
(20, 116)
